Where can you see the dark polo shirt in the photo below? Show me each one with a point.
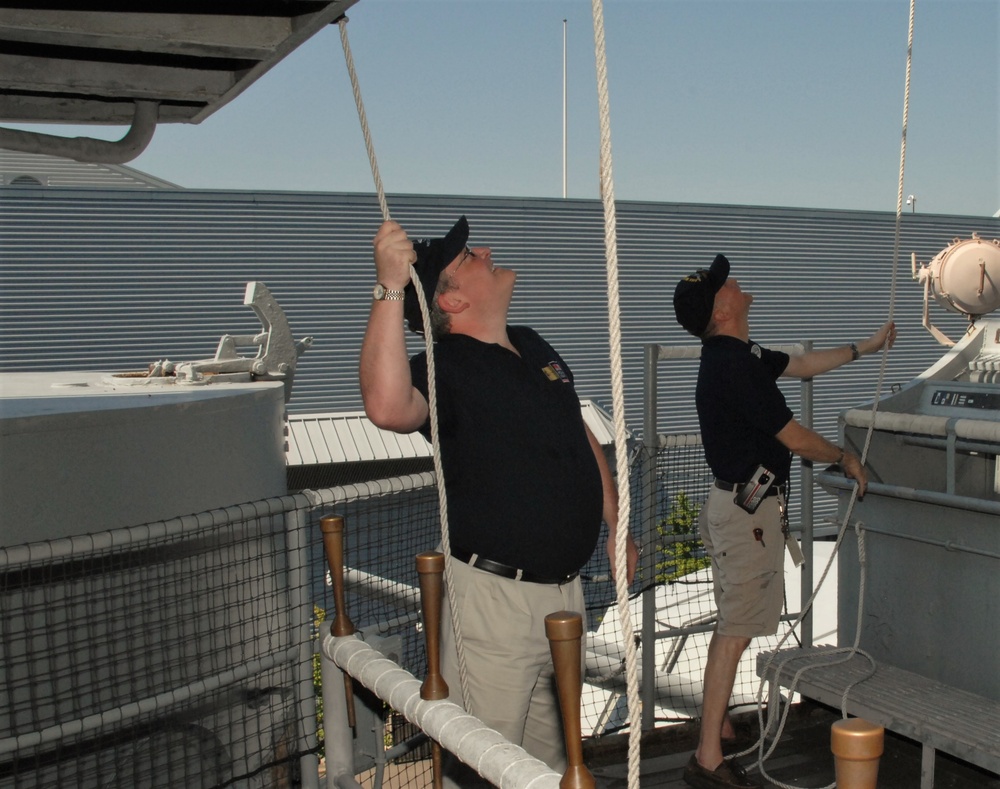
(741, 409)
(522, 482)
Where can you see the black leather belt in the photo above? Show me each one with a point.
(505, 570)
(731, 486)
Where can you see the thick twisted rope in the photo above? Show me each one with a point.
(431, 376)
(618, 402)
(363, 118)
(847, 652)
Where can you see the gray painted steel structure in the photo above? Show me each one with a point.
(115, 279)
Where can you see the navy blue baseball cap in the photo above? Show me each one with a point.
(694, 296)
(433, 256)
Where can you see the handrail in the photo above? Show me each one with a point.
(487, 751)
(950, 500)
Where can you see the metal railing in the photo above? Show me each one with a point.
(114, 642)
(175, 653)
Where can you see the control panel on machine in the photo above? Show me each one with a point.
(950, 398)
(961, 400)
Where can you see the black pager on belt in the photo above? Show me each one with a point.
(751, 493)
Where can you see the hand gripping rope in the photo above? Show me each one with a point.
(431, 380)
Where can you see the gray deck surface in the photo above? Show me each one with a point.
(946, 718)
(802, 758)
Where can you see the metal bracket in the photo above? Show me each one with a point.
(277, 356)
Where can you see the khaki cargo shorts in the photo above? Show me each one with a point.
(747, 574)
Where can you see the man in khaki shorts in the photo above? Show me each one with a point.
(749, 435)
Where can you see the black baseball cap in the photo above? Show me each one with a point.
(694, 296)
(433, 256)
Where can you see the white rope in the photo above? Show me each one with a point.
(817, 661)
(848, 652)
(618, 402)
(365, 130)
(431, 376)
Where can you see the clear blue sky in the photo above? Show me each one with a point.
(759, 102)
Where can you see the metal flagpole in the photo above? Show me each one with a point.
(564, 110)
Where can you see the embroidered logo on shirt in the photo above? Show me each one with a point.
(554, 372)
(755, 349)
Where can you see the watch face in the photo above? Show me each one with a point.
(378, 292)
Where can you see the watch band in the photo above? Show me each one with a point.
(381, 293)
(855, 353)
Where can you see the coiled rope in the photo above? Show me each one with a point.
(431, 376)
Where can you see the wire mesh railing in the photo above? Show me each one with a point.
(384, 534)
(182, 652)
(168, 654)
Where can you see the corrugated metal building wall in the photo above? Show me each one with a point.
(115, 279)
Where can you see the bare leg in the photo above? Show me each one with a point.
(724, 653)
(728, 732)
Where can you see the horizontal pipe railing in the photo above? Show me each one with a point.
(122, 539)
(948, 545)
(498, 760)
(117, 539)
(950, 500)
(943, 443)
(975, 429)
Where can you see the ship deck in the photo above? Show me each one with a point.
(802, 757)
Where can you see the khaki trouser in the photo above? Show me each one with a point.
(507, 657)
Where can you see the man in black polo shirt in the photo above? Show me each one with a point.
(749, 434)
(527, 483)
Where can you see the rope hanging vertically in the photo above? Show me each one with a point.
(846, 652)
(363, 118)
(431, 375)
(618, 400)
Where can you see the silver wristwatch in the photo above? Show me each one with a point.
(381, 293)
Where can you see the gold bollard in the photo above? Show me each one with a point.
(857, 745)
(332, 527)
(430, 567)
(564, 630)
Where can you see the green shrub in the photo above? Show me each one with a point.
(319, 615)
(678, 559)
